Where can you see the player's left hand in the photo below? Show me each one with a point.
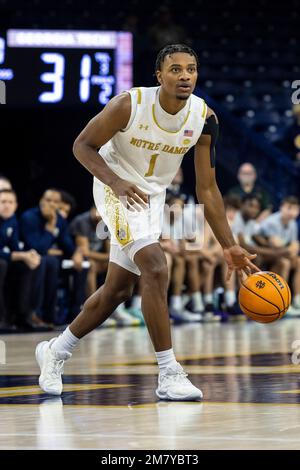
(238, 259)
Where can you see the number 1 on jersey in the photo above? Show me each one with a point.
(151, 165)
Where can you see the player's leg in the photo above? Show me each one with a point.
(152, 263)
(173, 384)
(169, 259)
(51, 354)
(135, 308)
(98, 267)
(118, 288)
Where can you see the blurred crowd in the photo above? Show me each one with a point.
(51, 260)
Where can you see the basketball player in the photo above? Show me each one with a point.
(142, 135)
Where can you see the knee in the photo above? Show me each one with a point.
(119, 295)
(156, 272)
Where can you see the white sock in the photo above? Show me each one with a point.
(197, 301)
(165, 359)
(65, 342)
(176, 302)
(230, 298)
(136, 302)
(208, 299)
(296, 300)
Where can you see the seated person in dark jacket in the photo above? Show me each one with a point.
(42, 227)
(67, 205)
(96, 250)
(248, 186)
(16, 266)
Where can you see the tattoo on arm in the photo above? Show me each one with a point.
(211, 127)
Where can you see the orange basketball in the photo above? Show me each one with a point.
(264, 297)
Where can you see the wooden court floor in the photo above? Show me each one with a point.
(251, 391)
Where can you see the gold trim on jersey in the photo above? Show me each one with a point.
(115, 213)
(139, 94)
(170, 132)
(204, 110)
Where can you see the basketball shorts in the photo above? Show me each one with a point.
(129, 230)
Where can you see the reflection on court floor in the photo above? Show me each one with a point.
(245, 370)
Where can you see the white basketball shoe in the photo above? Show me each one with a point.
(173, 384)
(52, 367)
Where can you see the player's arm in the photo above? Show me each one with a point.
(209, 194)
(97, 132)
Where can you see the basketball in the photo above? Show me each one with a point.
(264, 297)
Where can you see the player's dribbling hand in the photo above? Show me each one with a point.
(238, 259)
(135, 198)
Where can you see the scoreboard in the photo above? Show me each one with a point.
(60, 68)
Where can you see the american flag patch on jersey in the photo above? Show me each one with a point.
(188, 133)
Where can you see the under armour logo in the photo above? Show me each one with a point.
(260, 284)
(141, 126)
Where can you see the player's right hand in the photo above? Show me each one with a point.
(135, 197)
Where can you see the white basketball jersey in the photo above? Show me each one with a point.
(146, 153)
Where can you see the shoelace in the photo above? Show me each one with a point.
(56, 368)
(178, 377)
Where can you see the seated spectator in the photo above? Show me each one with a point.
(279, 233)
(5, 183)
(172, 242)
(232, 205)
(248, 185)
(95, 248)
(201, 262)
(245, 224)
(247, 231)
(176, 188)
(16, 266)
(83, 229)
(201, 269)
(41, 227)
(67, 205)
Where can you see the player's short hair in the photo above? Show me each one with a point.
(172, 49)
(290, 200)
